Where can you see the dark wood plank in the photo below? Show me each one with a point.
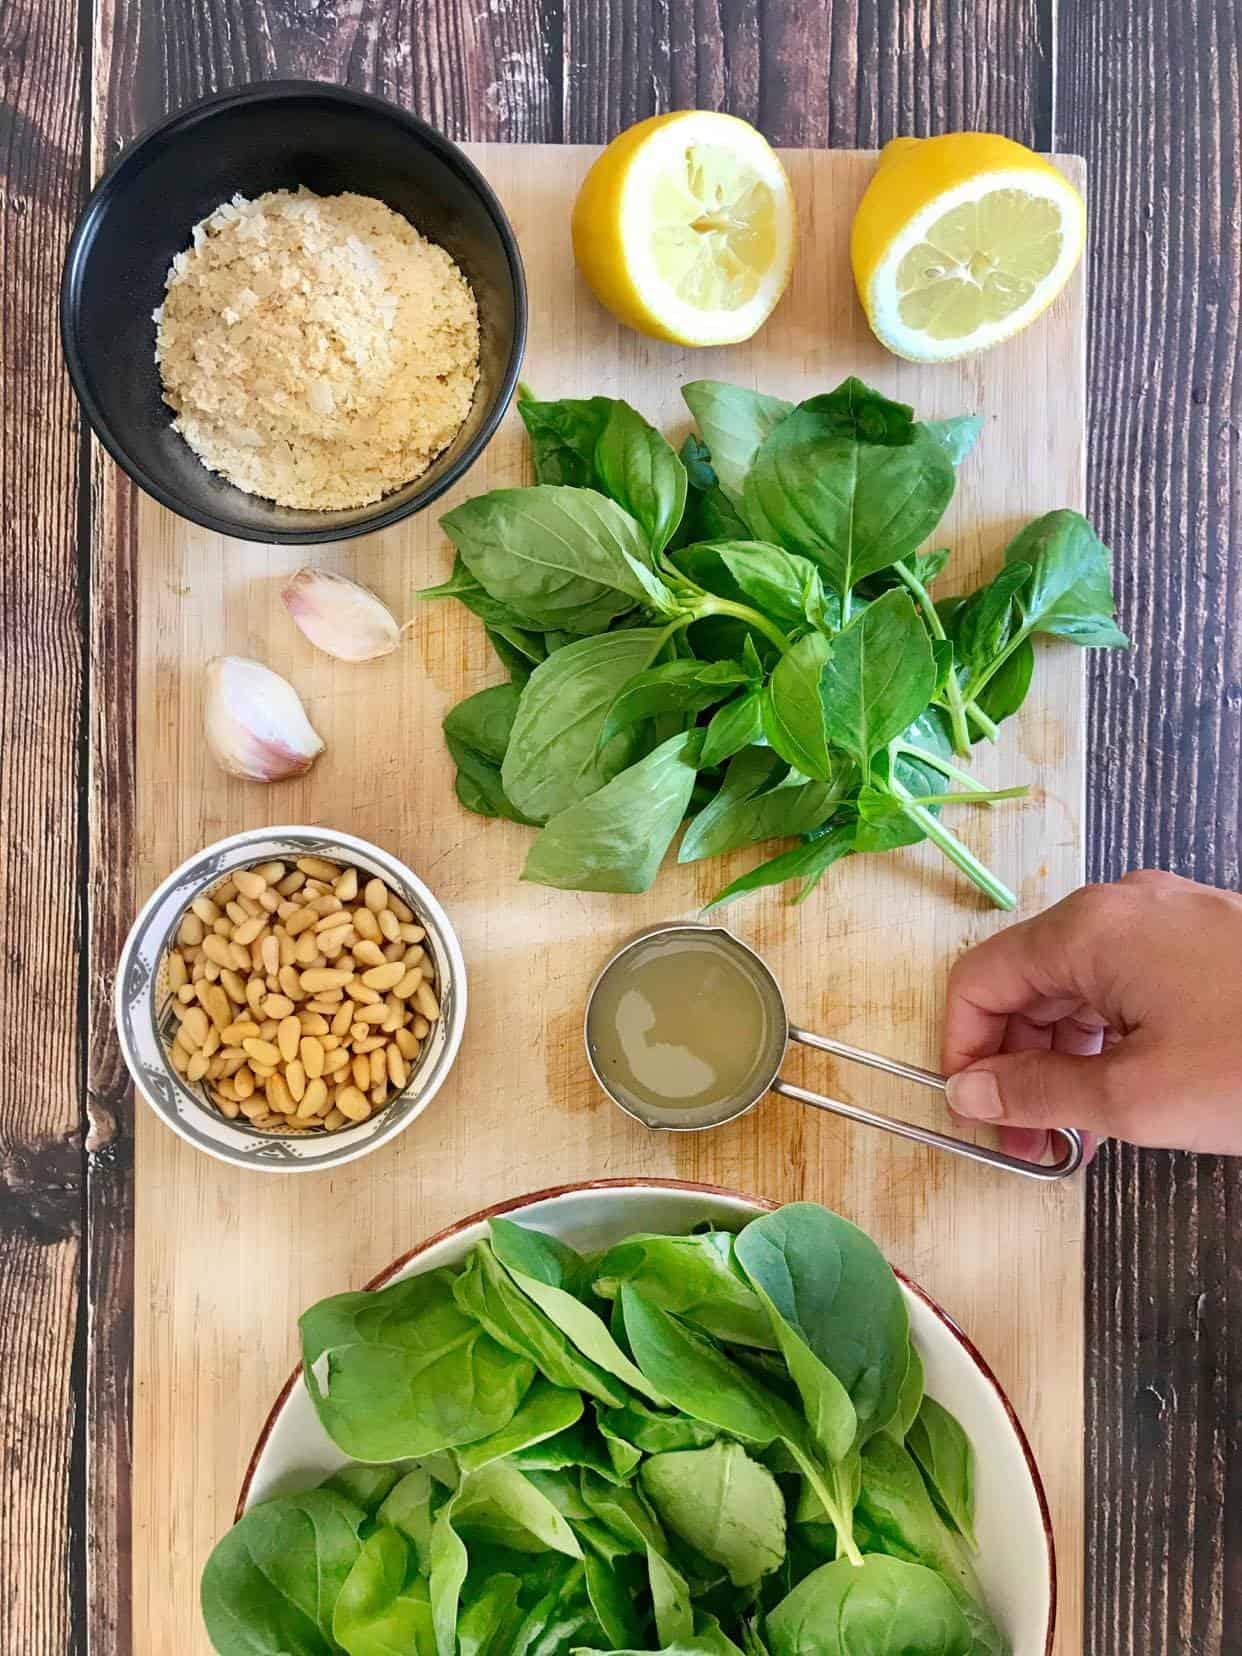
(1149, 94)
(843, 73)
(41, 652)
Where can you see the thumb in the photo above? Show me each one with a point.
(1037, 1088)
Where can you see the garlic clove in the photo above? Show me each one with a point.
(256, 724)
(340, 617)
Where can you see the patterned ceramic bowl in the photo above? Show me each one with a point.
(145, 1018)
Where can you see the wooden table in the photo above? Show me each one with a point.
(1148, 92)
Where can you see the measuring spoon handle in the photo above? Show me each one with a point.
(1068, 1163)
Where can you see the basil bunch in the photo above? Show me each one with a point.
(744, 633)
(703, 1445)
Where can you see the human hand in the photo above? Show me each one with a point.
(1118, 1011)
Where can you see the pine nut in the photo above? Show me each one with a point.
(396, 1016)
(398, 1069)
(412, 934)
(408, 982)
(394, 951)
(254, 1107)
(379, 1069)
(346, 888)
(190, 930)
(369, 1043)
(256, 994)
(389, 925)
(313, 1023)
(185, 994)
(293, 881)
(329, 1043)
(334, 1062)
(225, 890)
(268, 901)
(277, 1006)
(236, 913)
(406, 1045)
(194, 1025)
(271, 871)
(178, 971)
(343, 1018)
(318, 868)
(243, 1082)
(278, 1098)
(325, 977)
(306, 952)
(385, 976)
(323, 1004)
(285, 946)
(400, 909)
(426, 1002)
(358, 991)
(197, 1067)
(229, 1108)
(314, 1100)
(206, 910)
(287, 1037)
(333, 1120)
(249, 930)
(290, 981)
(350, 1102)
(231, 1060)
(300, 921)
(250, 882)
(379, 1093)
(217, 949)
(312, 1054)
(234, 986)
(421, 1028)
(263, 1052)
(368, 953)
(376, 895)
(332, 942)
(374, 1015)
(366, 925)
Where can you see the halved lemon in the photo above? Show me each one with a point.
(961, 241)
(684, 228)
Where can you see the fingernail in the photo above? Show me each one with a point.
(975, 1094)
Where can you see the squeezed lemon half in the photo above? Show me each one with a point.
(961, 241)
(684, 228)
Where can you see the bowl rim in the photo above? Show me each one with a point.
(191, 115)
(389, 1129)
(764, 1204)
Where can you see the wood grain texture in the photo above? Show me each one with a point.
(1150, 94)
(41, 653)
(203, 1320)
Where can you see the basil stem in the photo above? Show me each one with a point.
(954, 850)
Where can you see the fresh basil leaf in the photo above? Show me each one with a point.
(808, 863)
(514, 659)
(1070, 591)
(851, 482)
(984, 623)
(615, 840)
(272, 1582)
(563, 437)
(1007, 688)
(401, 1372)
(887, 1606)
(696, 457)
(831, 1285)
(723, 1504)
(496, 616)
(561, 557)
(734, 422)
(683, 686)
(760, 799)
(956, 436)
(384, 1606)
(554, 757)
(782, 584)
(927, 565)
(476, 733)
(878, 677)
(700, 562)
(737, 725)
(696, 1276)
(945, 1457)
(793, 707)
(639, 469)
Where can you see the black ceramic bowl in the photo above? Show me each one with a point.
(271, 136)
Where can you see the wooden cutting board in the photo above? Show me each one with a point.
(225, 1260)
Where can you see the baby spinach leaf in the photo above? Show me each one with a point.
(850, 481)
(502, 1505)
(580, 1446)
(1070, 591)
(683, 686)
(563, 437)
(611, 1601)
(670, 1600)
(780, 583)
(485, 1292)
(542, 1413)
(554, 757)
(616, 839)
(878, 678)
(946, 1460)
(808, 862)
(485, 1617)
(695, 1276)
(762, 798)
(624, 1513)
(655, 1430)
(734, 422)
(383, 1606)
(699, 1379)
(793, 708)
(366, 1486)
(737, 725)
(476, 733)
(886, 1608)
(561, 557)
(831, 1285)
(449, 1563)
(723, 1504)
(895, 1508)
(409, 1508)
(577, 1321)
(402, 1372)
(909, 1399)
(540, 1255)
(956, 436)
(638, 468)
(271, 1583)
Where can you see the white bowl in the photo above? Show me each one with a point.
(1016, 1562)
(144, 1016)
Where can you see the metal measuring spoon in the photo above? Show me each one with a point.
(764, 1077)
